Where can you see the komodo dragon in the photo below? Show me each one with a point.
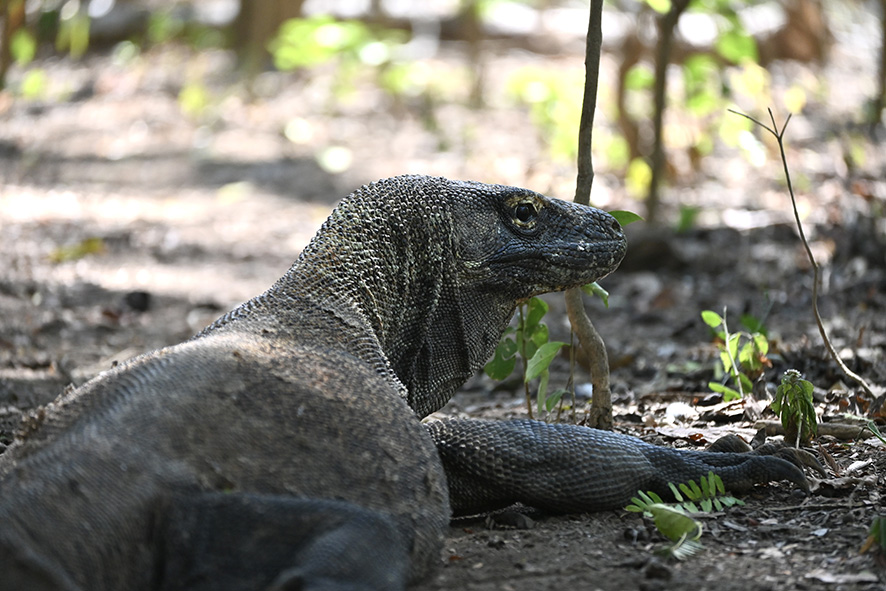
(281, 447)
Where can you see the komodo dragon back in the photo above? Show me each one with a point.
(280, 448)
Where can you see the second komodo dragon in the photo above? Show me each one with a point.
(281, 448)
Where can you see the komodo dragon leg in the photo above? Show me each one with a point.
(248, 542)
(568, 468)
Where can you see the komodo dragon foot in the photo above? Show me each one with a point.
(568, 468)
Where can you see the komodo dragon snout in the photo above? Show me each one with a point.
(280, 448)
(527, 244)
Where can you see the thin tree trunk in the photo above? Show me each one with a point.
(590, 340)
(256, 25)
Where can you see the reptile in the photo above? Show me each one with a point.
(282, 447)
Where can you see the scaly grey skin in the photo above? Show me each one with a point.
(280, 447)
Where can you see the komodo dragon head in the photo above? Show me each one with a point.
(421, 275)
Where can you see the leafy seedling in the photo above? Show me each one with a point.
(793, 405)
(742, 355)
(672, 522)
(672, 519)
(528, 341)
(876, 535)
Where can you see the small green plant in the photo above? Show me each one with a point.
(529, 341)
(778, 134)
(673, 520)
(793, 405)
(90, 246)
(692, 497)
(872, 427)
(876, 535)
(742, 354)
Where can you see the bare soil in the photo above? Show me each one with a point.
(126, 225)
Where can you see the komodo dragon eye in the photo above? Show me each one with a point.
(525, 212)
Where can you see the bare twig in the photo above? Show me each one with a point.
(779, 136)
(590, 340)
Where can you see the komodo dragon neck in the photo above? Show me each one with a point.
(409, 284)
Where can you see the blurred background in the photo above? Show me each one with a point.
(161, 160)
(484, 89)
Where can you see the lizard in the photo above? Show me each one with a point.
(282, 447)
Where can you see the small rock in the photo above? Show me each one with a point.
(656, 569)
(138, 301)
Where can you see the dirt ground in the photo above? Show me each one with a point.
(126, 225)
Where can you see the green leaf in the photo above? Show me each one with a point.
(712, 319)
(504, 360)
(637, 178)
(193, 99)
(675, 492)
(733, 344)
(877, 531)
(625, 217)
(691, 490)
(594, 290)
(87, 247)
(761, 343)
(688, 213)
(726, 361)
(706, 487)
(727, 392)
(541, 395)
(673, 523)
(34, 84)
(536, 309)
(736, 46)
(554, 399)
(753, 324)
(703, 102)
(639, 77)
(747, 354)
(542, 359)
(659, 6)
(498, 369)
(538, 337)
(872, 427)
(23, 47)
(699, 68)
(718, 483)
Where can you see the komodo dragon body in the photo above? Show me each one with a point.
(281, 448)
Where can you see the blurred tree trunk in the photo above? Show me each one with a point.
(256, 25)
(666, 26)
(472, 27)
(12, 15)
(879, 101)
